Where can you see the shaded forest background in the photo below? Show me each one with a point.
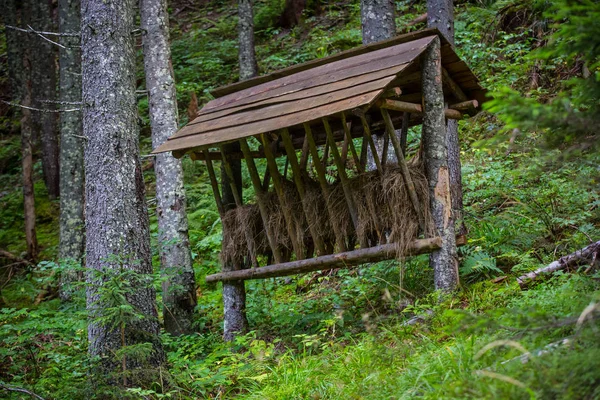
(530, 176)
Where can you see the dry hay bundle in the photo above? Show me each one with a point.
(385, 213)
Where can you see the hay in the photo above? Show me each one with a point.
(385, 214)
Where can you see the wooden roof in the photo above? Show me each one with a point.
(316, 89)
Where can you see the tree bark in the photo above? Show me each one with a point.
(247, 55)
(589, 254)
(440, 15)
(72, 232)
(44, 94)
(378, 23)
(14, 50)
(179, 289)
(444, 261)
(116, 217)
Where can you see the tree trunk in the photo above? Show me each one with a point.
(234, 293)
(377, 18)
(378, 23)
(19, 63)
(44, 94)
(440, 14)
(116, 217)
(179, 289)
(292, 12)
(247, 56)
(72, 232)
(444, 261)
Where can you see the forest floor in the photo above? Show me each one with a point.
(346, 334)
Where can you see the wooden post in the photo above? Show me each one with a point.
(293, 160)
(305, 152)
(403, 167)
(260, 199)
(348, 136)
(214, 183)
(287, 213)
(444, 261)
(339, 237)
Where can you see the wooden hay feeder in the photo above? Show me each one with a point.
(320, 207)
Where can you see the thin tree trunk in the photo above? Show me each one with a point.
(19, 62)
(247, 56)
(44, 93)
(378, 23)
(179, 289)
(444, 262)
(72, 232)
(116, 217)
(440, 14)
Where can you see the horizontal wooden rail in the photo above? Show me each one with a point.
(413, 108)
(340, 260)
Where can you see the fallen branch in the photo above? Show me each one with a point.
(20, 390)
(11, 256)
(586, 255)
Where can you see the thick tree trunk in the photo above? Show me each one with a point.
(234, 293)
(247, 56)
(443, 261)
(44, 94)
(179, 288)
(14, 50)
(116, 217)
(72, 232)
(440, 14)
(378, 23)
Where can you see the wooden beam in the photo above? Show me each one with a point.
(229, 173)
(297, 175)
(341, 260)
(397, 105)
(367, 133)
(404, 132)
(260, 200)
(469, 107)
(216, 155)
(449, 83)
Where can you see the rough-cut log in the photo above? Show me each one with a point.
(340, 260)
(397, 105)
(468, 106)
(588, 254)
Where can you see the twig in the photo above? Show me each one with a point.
(11, 256)
(79, 136)
(45, 38)
(64, 103)
(31, 30)
(20, 390)
(10, 103)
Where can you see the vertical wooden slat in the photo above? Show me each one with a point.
(348, 136)
(238, 203)
(339, 237)
(214, 183)
(305, 153)
(343, 176)
(287, 214)
(264, 214)
(386, 145)
(293, 160)
(403, 166)
(229, 172)
(367, 133)
(404, 133)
